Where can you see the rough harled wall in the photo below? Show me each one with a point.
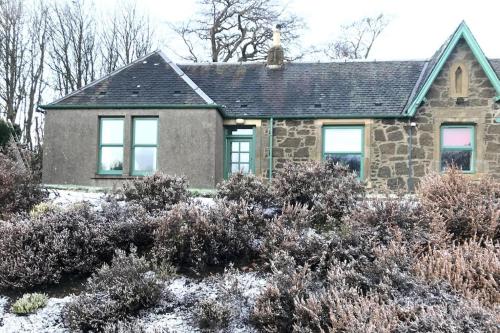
(190, 143)
(390, 137)
(293, 140)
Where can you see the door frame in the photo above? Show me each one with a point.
(227, 147)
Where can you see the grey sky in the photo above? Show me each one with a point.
(416, 30)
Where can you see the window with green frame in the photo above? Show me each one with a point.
(345, 145)
(110, 146)
(144, 145)
(458, 147)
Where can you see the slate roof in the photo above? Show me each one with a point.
(252, 90)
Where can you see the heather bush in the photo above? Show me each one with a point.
(29, 303)
(114, 293)
(39, 250)
(156, 192)
(385, 216)
(195, 237)
(472, 268)
(20, 188)
(465, 206)
(330, 190)
(246, 187)
(213, 315)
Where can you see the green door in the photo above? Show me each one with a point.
(239, 155)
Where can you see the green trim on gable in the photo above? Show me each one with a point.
(464, 32)
(497, 98)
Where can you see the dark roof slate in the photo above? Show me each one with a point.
(150, 80)
(308, 89)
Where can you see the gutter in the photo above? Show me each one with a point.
(337, 116)
(271, 121)
(134, 107)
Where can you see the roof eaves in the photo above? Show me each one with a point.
(187, 79)
(93, 83)
(464, 32)
(130, 106)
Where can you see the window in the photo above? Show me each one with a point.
(111, 146)
(457, 147)
(239, 151)
(344, 144)
(144, 145)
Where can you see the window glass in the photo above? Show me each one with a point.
(145, 131)
(111, 159)
(145, 159)
(457, 137)
(351, 160)
(242, 131)
(111, 131)
(457, 147)
(343, 140)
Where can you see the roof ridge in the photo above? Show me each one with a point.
(187, 79)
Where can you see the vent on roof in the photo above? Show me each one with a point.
(102, 93)
(243, 105)
(135, 93)
(317, 105)
(177, 92)
(145, 62)
(378, 103)
(157, 64)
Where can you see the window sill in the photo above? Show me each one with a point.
(111, 176)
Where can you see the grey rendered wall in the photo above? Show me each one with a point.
(190, 144)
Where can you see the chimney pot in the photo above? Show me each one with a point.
(276, 56)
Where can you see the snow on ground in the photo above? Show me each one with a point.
(176, 313)
(66, 197)
(46, 320)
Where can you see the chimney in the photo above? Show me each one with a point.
(275, 56)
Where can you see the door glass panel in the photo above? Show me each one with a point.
(245, 146)
(235, 157)
(245, 168)
(235, 146)
(235, 167)
(245, 157)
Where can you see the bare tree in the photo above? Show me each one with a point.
(357, 39)
(73, 51)
(236, 30)
(12, 56)
(128, 37)
(36, 50)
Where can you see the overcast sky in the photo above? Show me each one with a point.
(417, 27)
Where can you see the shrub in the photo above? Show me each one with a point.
(114, 293)
(466, 207)
(29, 303)
(194, 237)
(7, 132)
(38, 250)
(246, 187)
(213, 314)
(20, 189)
(385, 217)
(471, 268)
(156, 192)
(330, 190)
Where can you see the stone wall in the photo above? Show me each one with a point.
(293, 140)
(390, 138)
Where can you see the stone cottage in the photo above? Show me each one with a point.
(390, 121)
